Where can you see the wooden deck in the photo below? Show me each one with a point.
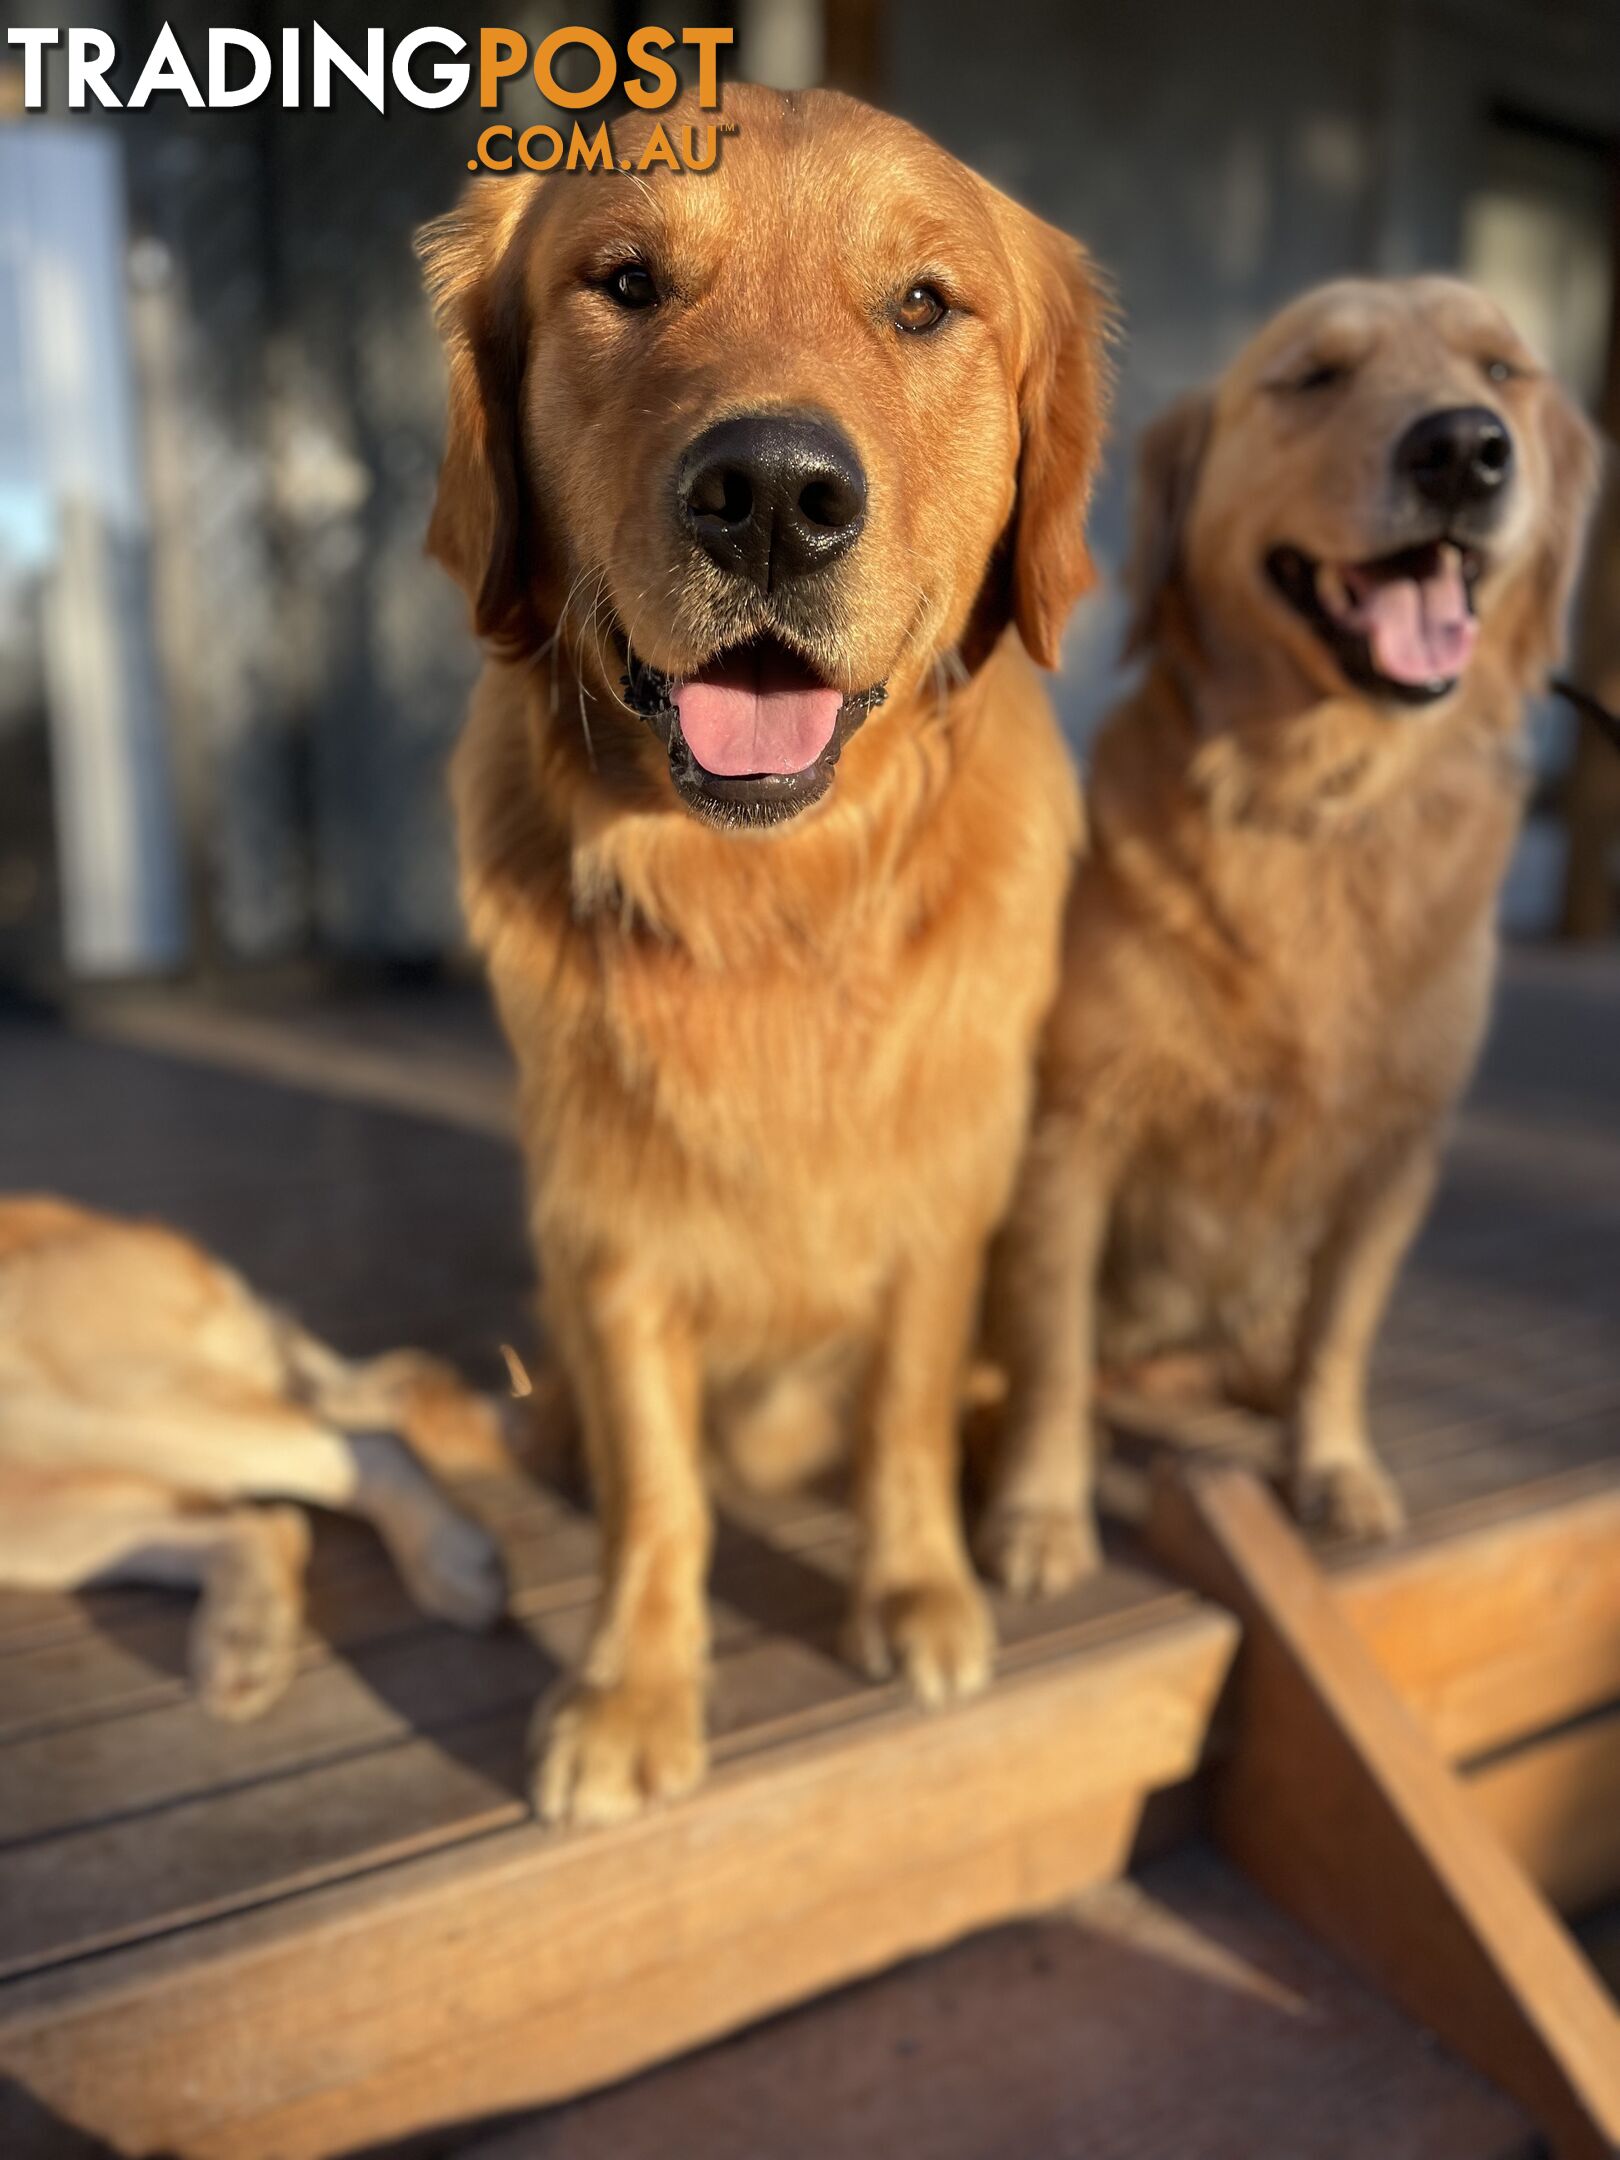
(340, 1925)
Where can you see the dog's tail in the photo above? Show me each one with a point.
(456, 1432)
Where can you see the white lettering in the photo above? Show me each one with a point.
(165, 69)
(326, 53)
(452, 77)
(90, 54)
(221, 44)
(33, 43)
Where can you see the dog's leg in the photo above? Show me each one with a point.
(917, 1608)
(1335, 1477)
(1036, 1533)
(228, 1443)
(248, 1562)
(244, 1639)
(630, 1727)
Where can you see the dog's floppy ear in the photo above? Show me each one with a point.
(1571, 452)
(479, 525)
(1168, 457)
(1063, 390)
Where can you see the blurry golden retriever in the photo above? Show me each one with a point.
(146, 1395)
(1352, 559)
(764, 826)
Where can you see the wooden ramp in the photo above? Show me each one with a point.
(1330, 1795)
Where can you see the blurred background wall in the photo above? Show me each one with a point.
(229, 678)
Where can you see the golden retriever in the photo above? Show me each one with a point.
(765, 825)
(1352, 559)
(145, 1394)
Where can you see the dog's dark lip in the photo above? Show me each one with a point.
(1294, 575)
(743, 798)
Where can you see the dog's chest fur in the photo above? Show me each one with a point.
(1287, 1001)
(769, 1066)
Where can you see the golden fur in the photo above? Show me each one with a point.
(1279, 952)
(145, 1393)
(773, 1084)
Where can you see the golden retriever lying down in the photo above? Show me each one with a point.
(1352, 559)
(146, 1394)
(764, 825)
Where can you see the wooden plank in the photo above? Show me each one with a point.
(66, 1676)
(1555, 1804)
(335, 1052)
(152, 1822)
(1488, 1637)
(526, 1965)
(1174, 2013)
(1504, 1631)
(1442, 1469)
(1492, 1635)
(66, 1779)
(432, 1680)
(356, 1603)
(90, 1891)
(846, 1933)
(1549, 1414)
(1505, 1468)
(260, 1840)
(1334, 1802)
(69, 1685)
(1496, 1617)
(1131, 2093)
(1600, 1939)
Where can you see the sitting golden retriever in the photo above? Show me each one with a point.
(1352, 559)
(146, 1395)
(765, 826)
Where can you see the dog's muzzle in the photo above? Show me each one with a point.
(754, 736)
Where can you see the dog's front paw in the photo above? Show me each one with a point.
(603, 1753)
(1352, 1499)
(452, 1568)
(937, 1634)
(1036, 1552)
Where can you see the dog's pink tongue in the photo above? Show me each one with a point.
(756, 713)
(1421, 630)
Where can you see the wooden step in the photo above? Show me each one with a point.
(340, 1925)
(356, 1892)
(1176, 2016)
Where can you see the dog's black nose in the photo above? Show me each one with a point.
(772, 496)
(1457, 457)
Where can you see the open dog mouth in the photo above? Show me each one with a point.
(754, 735)
(1403, 625)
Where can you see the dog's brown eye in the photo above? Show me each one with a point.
(919, 308)
(1500, 371)
(631, 286)
(1322, 376)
